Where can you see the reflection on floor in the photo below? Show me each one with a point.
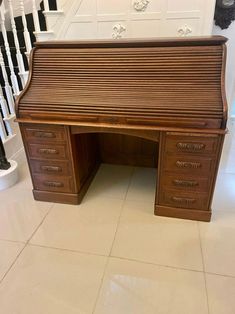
(111, 255)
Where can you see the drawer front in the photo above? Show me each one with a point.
(53, 184)
(186, 183)
(44, 134)
(47, 151)
(191, 165)
(49, 167)
(191, 144)
(184, 200)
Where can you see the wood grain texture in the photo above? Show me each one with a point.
(132, 82)
(158, 103)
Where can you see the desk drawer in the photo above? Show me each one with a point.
(53, 184)
(51, 167)
(186, 183)
(44, 133)
(191, 165)
(47, 151)
(191, 144)
(184, 200)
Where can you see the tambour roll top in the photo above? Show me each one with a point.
(170, 82)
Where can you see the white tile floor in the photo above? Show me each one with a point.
(111, 255)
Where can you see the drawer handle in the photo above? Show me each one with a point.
(44, 134)
(48, 151)
(51, 168)
(188, 164)
(194, 147)
(53, 184)
(185, 183)
(181, 200)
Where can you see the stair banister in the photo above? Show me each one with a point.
(27, 39)
(7, 87)
(46, 5)
(19, 56)
(14, 81)
(35, 17)
(58, 5)
(6, 116)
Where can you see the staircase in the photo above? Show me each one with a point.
(17, 36)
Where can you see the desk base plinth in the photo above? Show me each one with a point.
(183, 213)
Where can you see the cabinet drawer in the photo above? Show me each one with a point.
(191, 144)
(186, 183)
(54, 184)
(191, 165)
(44, 134)
(47, 151)
(183, 200)
(51, 167)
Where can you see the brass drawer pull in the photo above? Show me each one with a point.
(181, 200)
(188, 164)
(51, 168)
(44, 134)
(48, 151)
(191, 146)
(53, 184)
(185, 183)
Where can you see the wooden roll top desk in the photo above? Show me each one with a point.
(154, 103)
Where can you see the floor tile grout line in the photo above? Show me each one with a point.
(44, 218)
(12, 264)
(101, 284)
(67, 250)
(203, 264)
(113, 256)
(155, 264)
(221, 275)
(122, 208)
(13, 241)
(25, 245)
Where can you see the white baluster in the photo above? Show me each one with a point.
(35, 17)
(19, 56)
(14, 81)
(3, 133)
(26, 32)
(46, 5)
(58, 4)
(8, 89)
(3, 104)
(5, 113)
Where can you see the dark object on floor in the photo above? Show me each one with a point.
(224, 13)
(4, 164)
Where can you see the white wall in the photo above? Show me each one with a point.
(230, 69)
(228, 160)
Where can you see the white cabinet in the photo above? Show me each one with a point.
(90, 19)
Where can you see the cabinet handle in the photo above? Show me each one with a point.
(181, 200)
(185, 183)
(51, 168)
(48, 151)
(191, 146)
(188, 164)
(44, 134)
(53, 184)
